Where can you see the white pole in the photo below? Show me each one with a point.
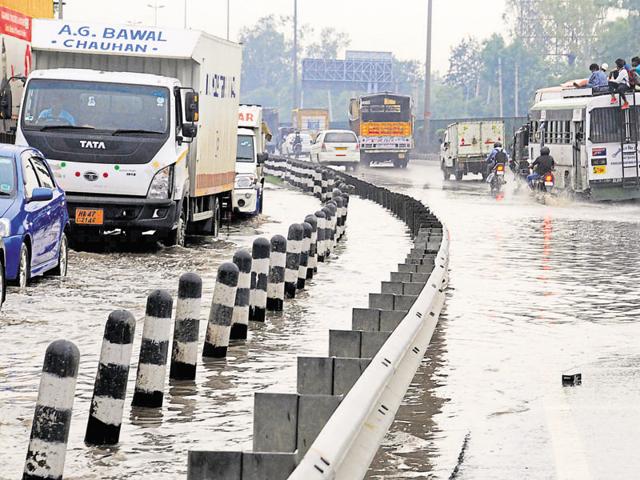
(228, 17)
(500, 86)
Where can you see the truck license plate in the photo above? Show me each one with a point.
(89, 216)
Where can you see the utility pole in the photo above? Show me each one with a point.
(185, 14)
(517, 88)
(427, 79)
(500, 87)
(295, 54)
(59, 4)
(155, 7)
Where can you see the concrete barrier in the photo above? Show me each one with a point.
(184, 352)
(219, 327)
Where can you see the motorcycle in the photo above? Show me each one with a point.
(297, 150)
(544, 183)
(497, 179)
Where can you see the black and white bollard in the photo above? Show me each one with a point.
(327, 231)
(321, 243)
(240, 319)
(277, 264)
(312, 266)
(294, 247)
(304, 255)
(334, 224)
(339, 217)
(259, 279)
(184, 352)
(224, 299)
(52, 417)
(152, 366)
(110, 388)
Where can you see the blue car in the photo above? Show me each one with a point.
(33, 216)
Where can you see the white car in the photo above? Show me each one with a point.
(337, 147)
(306, 144)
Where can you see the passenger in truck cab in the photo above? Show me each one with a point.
(55, 114)
(620, 82)
(542, 165)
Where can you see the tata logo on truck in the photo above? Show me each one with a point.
(91, 145)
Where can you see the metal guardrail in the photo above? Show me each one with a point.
(349, 441)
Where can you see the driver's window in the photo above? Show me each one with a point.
(30, 176)
(43, 173)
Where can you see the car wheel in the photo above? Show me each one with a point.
(63, 258)
(261, 201)
(24, 267)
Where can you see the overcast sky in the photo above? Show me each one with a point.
(398, 26)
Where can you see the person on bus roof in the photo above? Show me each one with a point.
(635, 71)
(597, 79)
(620, 84)
(541, 166)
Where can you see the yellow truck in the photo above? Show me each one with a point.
(310, 120)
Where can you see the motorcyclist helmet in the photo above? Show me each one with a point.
(545, 151)
(497, 145)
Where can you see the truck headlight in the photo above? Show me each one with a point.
(161, 184)
(246, 181)
(5, 227)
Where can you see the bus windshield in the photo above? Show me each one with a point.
(107, 107)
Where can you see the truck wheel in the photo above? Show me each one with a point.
(177, 237)
(459, 175)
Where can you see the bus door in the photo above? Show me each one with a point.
(578, 146)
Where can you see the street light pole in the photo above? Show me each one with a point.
(427, 79)
(185, 14)
(155, 7)
(295, 54)
(228, 17)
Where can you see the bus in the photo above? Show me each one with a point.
(594, 143)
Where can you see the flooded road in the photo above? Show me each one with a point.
(535, 291)
(216, 411)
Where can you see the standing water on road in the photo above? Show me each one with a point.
(217, 411)
(535, 291)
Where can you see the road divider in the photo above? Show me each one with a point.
(184, 353)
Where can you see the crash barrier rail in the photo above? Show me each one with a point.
(345, 402)
(246, 288)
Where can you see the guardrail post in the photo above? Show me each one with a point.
(240, 320)
(321, 248)
(259, 279)
(294, 247)
(304, 256)
(110, 387)
(312, 266)
(277, 265)
(218, 329)
(184, 352)
(152, 365)
(52, 417)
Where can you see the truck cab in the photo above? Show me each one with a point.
(248, 192)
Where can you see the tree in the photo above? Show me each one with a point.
(330, 43)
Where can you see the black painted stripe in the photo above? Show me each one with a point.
(186, 330)
(100, 433)
(154, 353)
(111, 381)
(221, 314)
(190, 286)
(262, 282)
(120, 328)
(51, 424)
(242, 297)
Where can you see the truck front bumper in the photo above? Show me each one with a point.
(245, 200)
(125, 212)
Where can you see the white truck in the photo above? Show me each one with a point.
(139, 125)
(466, 146)
(253, 135)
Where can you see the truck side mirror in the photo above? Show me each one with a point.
(6, 101)
(189, 130)
(191, 107)
(262, 158)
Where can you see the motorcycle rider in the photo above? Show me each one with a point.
(541, 166)
(497, 155)
(297, 143)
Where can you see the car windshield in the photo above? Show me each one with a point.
(340, 137)
(7, 176)
(67, 104)
(245, 149)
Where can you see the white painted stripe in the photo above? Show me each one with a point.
(115, 353)
(294, 246)
(240, 315)
(54, 454)
(278, 259)
(188, 308)
(185, 352)
(258, 298)
(56, 392)
(157, 329)
(290, 276)
(244, 280)
(261, 265)
(275, 290)
(224, 294)
(150, 378)
(108, 410)
(218, 335)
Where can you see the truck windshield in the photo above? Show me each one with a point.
(386, 108)
(245, 149)
(7, 176)
(58, 105)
